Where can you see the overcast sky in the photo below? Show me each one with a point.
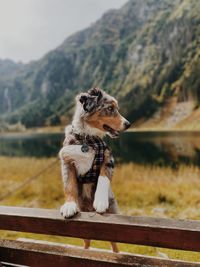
(30, 28)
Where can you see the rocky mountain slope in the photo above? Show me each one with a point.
(145, 54)
(8, 67)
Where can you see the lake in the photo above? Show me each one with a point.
(157, 148)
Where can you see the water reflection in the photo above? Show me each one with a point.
(31, 145)
(158, 148)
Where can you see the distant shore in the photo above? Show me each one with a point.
(38, 130)
(60, 129)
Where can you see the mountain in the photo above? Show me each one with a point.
(147, 54)
(8, 66)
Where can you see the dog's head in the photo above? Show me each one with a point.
(101, 111)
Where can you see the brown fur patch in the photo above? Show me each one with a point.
(105, 170)
(97, 120)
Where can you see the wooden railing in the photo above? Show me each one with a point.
(157, 232)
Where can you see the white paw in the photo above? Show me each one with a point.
(69, 209)
(100, 205)
(101, 195)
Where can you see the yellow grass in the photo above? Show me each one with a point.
(140, 190)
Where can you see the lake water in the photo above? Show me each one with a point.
(157, 148)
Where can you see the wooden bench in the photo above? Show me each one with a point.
(157, 232)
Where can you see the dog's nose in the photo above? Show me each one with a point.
(127, 125)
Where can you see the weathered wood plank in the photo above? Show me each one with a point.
(40, 255)
(6, 264)
(168, 233)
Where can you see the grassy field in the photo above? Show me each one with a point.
(140, 190)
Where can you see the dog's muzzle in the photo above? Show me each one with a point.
(127, 124)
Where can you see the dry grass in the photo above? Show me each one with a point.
(140, 190)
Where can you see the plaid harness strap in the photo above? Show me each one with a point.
(99, 147)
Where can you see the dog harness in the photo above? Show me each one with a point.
(99, 147)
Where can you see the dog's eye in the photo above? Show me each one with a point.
(111, 109)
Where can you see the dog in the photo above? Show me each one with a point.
(86, 161)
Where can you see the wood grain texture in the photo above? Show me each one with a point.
(158, 232)
(41, 255)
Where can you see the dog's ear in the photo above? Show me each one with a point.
(97, 92)
(88, 102)
(83, 98)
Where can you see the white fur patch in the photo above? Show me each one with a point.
(101, 202)
(83, 161)
(69, 209)
(64, 173)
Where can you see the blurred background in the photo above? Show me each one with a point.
(146, 53)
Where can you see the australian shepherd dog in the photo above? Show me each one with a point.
(86, 161)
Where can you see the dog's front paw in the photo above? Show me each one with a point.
(100, 204)
(69, 209)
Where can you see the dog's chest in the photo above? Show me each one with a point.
(84, 162)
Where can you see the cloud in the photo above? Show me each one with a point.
(30, 28)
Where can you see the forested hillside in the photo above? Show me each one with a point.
(145, 54)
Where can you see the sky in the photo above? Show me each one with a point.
(31, 28)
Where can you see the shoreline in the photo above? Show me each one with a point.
(60, 130)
